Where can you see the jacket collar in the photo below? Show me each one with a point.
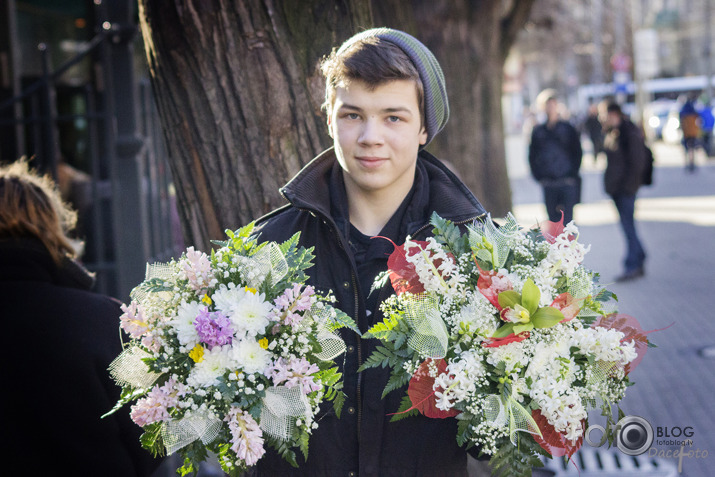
(27, 259)
(436, 189)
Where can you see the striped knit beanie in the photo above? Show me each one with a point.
(435, 91)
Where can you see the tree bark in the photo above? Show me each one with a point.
(239, 97)
(471, 39)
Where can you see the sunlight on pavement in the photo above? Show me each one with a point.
(698, 210)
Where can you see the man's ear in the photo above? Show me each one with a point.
(423, 136)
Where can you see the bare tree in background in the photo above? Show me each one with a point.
(239, 93)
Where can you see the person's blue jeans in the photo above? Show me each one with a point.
(561, 196)
(635, 255)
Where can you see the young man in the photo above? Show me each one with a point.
(555, 159)
(385, 100)
(625, 156)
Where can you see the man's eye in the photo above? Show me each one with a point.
(352, 116)
(394, 119)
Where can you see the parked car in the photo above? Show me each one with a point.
(662, 121)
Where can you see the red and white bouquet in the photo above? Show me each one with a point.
(506, 331)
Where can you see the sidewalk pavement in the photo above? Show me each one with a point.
(675, 383)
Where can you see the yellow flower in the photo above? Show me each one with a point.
(197, 354)
(263, 343)
(252, 290)
(207, 299)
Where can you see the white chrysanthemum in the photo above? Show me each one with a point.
(249, 355)
(247, 311)
(183, 323)
(444, 278)
(214, 364)
(250, 315)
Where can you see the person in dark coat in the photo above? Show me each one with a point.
(555, 159)
(626, 160)
(60, 340)
(385, 101)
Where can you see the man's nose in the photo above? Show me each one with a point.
(371, 133)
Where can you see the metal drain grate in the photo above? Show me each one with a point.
(609, 463)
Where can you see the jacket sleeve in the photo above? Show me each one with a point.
(533, 153)
(634, 160)
(576, 152)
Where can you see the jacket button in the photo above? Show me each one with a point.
(352, 474)
(351, 410)
(346, 285)
(351, 348)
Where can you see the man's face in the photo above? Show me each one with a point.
(552, 110)
(613, 119)
(377, 134)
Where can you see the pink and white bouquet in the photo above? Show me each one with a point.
(229, 353)
(506, 331)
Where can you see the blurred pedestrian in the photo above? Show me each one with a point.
(61, 339)
(555, 159)
(690, 125)
(707, 123)
(626, 161)
(593, 127)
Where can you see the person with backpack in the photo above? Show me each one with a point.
(555, 159)
(626, 157)
(690, 124)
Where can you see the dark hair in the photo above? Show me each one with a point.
(614, 108)
(372, 61)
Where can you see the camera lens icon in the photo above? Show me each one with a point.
(634, 435)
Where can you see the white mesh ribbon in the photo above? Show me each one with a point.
(501, 411)
(429, 335)
(129, 369)
(281, 407)
(269, 259)
(331, 345)
(161, 271)
(182, 432)
(498, 239)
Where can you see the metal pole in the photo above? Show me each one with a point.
(49, 141)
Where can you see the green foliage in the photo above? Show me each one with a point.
(515, 461)
(398, 379)
(283, 449)
(151, 440)
(343, 320)
(385, 356)
(402, 411)
(448, 234)
(383, 330)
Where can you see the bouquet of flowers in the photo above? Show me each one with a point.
(229, 353)
(505, 330)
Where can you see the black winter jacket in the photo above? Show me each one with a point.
(555, 152)
(363, 442)
(626, 159)
(60, 340)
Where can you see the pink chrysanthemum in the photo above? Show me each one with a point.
(246, 436)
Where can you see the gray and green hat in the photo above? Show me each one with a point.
(435, 91)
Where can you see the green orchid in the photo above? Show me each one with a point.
(522, 312)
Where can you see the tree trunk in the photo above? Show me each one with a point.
(239, 97)
(471, 40)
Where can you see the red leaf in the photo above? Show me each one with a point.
(555, 443)
(512, 338)
(632, 330)
(421, 393)
(403, 274)
(551, 230)
(568, 305)
(486, 285)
